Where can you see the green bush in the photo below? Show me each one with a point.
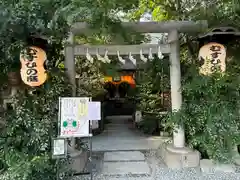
(149, 124)
(210, 113)
(25, 143)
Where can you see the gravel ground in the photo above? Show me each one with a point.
(160, 172)
(165, 174)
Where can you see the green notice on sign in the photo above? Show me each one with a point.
(65, 123)
(74, 123)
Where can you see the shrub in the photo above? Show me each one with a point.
(25, 151)
(210, 114)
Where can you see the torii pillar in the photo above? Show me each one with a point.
(177, 155)
(175, 79)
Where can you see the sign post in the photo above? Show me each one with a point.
(90, 146)
(94, 114)
(59, 150)
(75, 120)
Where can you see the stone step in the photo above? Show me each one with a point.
(124, 178)
(125, 168)
(102, 177)
(116, 125)
(124, 156)
(123, 144)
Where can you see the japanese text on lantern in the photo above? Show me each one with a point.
(215, 61)
(32, 61)
(213, 56)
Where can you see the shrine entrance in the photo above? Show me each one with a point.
(171, 49)
(118, 100)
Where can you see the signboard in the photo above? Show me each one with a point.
(116, 78)
(213, 56)
(138, 116)
(95, 125)
(94, 111)
(59, 148)
(74, 120)
(32, 62)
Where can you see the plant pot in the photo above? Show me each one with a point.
(14, 78)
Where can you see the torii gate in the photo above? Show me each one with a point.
(175, 155)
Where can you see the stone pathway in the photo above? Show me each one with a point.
(120, 153)
(125, 162)
(119, 137)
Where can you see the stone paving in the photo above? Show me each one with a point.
(123, 154)
(118, 136)
(125, 162)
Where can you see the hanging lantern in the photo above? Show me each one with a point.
(212, 53)
(212, 57)
(33, 72)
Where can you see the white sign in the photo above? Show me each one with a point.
(95, 125)
(138, 116)
(94, 111)
(59, 147)
(74, 117)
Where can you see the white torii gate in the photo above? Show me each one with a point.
(176, 155)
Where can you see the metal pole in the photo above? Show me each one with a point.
(91, 162)
(57, 161)
(59, 115)
(90, 148)
(59, 130)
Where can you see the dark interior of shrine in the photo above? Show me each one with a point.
(118, 99)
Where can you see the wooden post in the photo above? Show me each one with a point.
(70, 64)
(175, 78)
(70, 70)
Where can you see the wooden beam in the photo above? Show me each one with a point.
(81, 50)
(151, 27)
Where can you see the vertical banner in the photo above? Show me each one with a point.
(213, 58)
(74, 118)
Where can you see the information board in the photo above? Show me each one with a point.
(74, 120)
(94, 111)
(59, 148)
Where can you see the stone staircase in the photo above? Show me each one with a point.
(125, 163)
(122, 165)
(119, 153)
